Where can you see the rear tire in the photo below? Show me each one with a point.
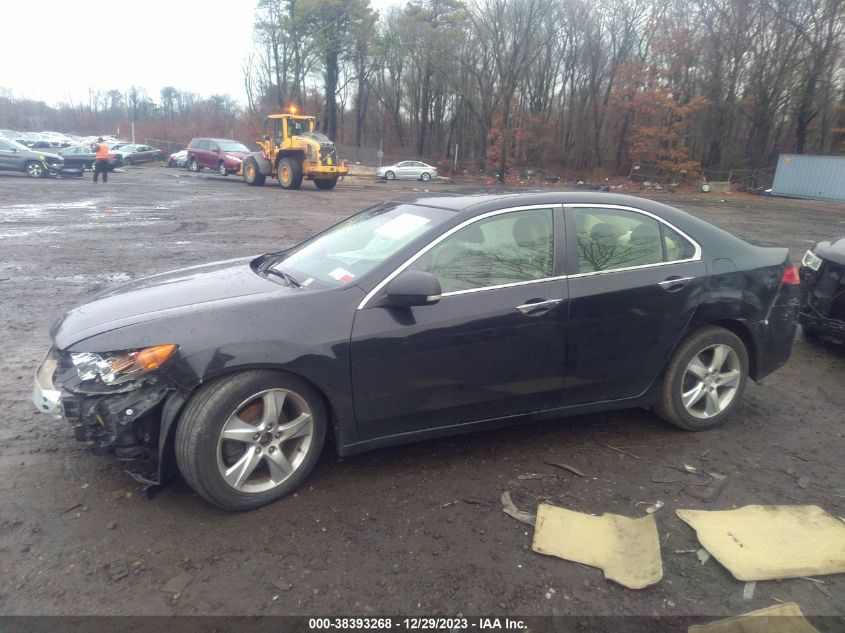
(252, 175)
(229, 423)
(290, 172)
(705, 380)
(326, 184)
(221, 169)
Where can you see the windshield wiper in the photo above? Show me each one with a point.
(286, 276)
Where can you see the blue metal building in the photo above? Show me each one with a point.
(816, 177)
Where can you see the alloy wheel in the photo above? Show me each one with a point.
(34, 170)
(710, 381)
(265, 440)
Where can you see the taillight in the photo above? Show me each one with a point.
(790, 277)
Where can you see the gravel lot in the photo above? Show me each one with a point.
(415, 529)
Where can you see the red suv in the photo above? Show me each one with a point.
(221, 154)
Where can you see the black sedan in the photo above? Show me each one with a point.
(423, 317)
(823, 291)
(82, 157)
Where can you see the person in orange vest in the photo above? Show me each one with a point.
(101, 160)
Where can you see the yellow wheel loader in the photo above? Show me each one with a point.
(293, 151)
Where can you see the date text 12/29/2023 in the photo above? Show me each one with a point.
(416, 624)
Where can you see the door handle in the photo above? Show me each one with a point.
(673, 284)
(542, 304)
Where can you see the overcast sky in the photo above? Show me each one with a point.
(55, 50)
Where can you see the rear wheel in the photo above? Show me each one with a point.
(326, 184)
(705, 380)
(290, 173)
(221, 169)
(252, 175)
(251, 438)
(35, 169)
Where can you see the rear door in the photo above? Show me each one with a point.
(635, 282)
(8, 156)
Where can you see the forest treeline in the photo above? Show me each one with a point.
(678, 85)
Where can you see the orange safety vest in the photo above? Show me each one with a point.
(102, 152)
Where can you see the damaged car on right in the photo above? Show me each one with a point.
(822, 272)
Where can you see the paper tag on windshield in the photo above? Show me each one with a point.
(401, 226)
(342, 275)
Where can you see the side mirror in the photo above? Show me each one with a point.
(413, 288)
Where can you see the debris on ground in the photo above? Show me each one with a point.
(626, 549)
(748, 591)
(779, 618)
(760, 542)
(511, 510)
(177, 584)
(652, 508)
(565, 466)
(118, 570)
(703, 555)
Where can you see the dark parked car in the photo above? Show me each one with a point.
(221, 154)
(34, 163)
(823, 291)
(83, 157)
(428, 316)
(132, 154)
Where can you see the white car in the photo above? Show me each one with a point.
(408, 170)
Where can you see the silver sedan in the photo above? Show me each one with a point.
(408, 170)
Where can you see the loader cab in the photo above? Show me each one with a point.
(283, 127)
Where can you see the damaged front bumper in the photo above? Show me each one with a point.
(823, 300)
(123, 422)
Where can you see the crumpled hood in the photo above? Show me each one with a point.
(833, 251)
(160, 295)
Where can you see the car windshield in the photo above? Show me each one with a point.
(16, 144)
(233, 147)
(349, 250)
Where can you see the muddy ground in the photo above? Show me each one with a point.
(415, 529)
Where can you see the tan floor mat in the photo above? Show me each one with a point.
(770, 542)
(779, 618)
(628, 550)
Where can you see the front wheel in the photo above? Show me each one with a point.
(248, 439)
(390, 176)
(35, 170)
(705, 380)
(252, 175)
(425, 176)
(127, 162)
(326, 184)
(193, 165)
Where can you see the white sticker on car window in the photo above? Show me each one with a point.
(342, 275)
(401, 226)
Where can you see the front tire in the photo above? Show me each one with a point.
(35, 169)
(390, 176)
(127, 162)
(193, 165)
(425, 176)
(326, 184)
(705, 380)
(290, 173)
(248, 439)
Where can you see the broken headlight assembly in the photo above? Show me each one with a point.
(119, 368)
(811, 260)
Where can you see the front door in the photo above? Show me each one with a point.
(493, 346)
(8, 156)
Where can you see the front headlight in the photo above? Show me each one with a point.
(120, 367)
(234, 158)
(811, 260)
